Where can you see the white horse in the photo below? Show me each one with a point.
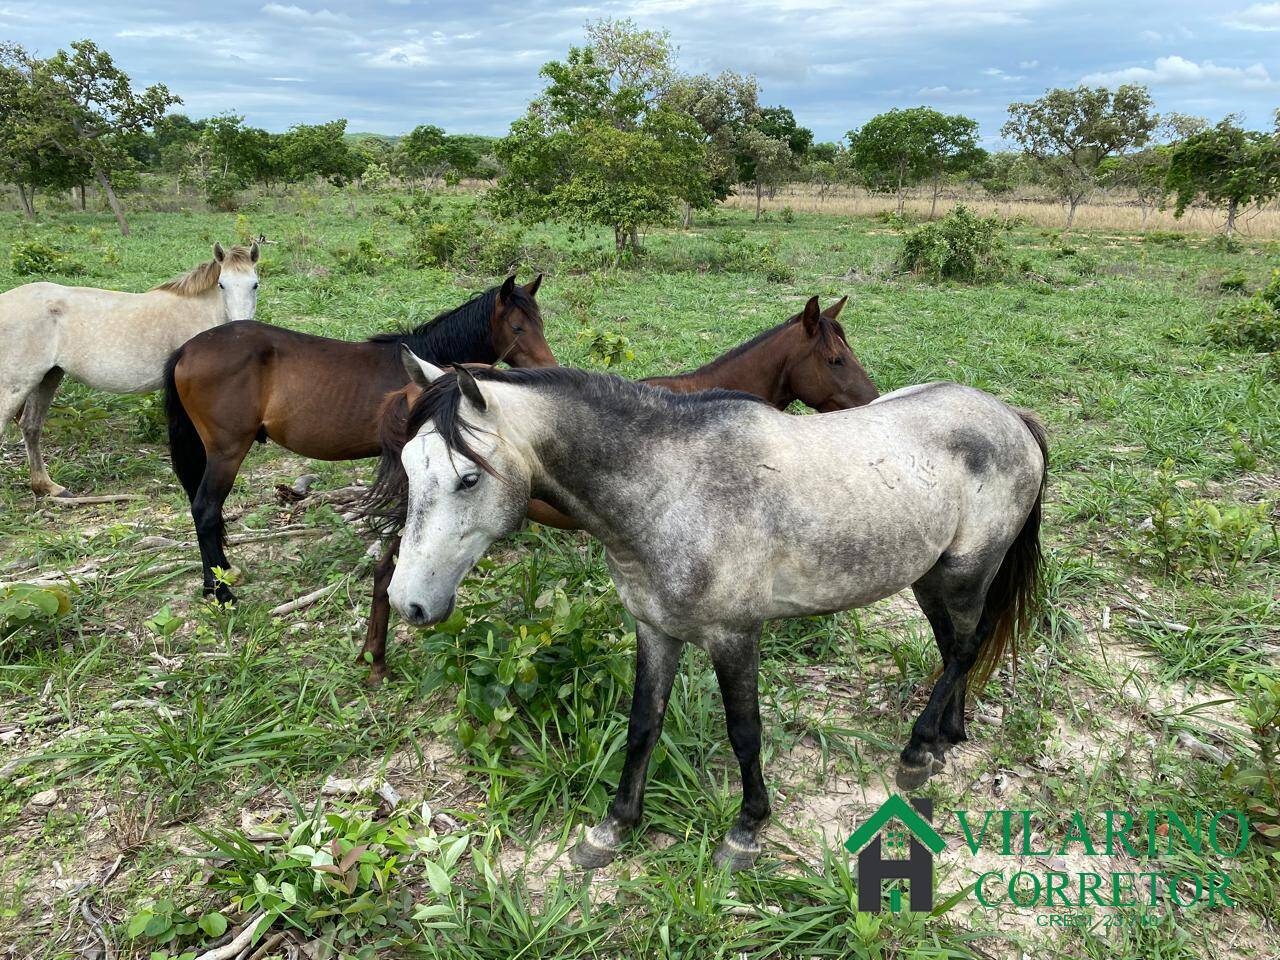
(108, 339)
(717, 513)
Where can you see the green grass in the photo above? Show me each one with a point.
(153, 715)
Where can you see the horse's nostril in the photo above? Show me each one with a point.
(416, 613)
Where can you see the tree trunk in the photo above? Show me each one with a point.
(28, 202)
(1232, 206)
(902, 194)
(937, 189)
(80, 188)
(619, 240)
(1072, 202)
(688, 214)
(112, 199)
(1146, 212)
(759, 190)
(635, 239)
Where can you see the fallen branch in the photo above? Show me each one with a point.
(85, 501)
(237, 943)
(293, 606)
(267, 946)
(1170, 625)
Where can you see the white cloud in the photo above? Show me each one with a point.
(945, 91)
(412, 54)
(1001, 75)
(1260, 16)
(289, 11)
(1028, 64)
(1179, 71)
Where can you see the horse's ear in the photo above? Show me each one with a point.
(508, 289)
(810, 316)
(420, 371)
(253, 252)
(531, 288)
(218, 252)
(833, 311)
(470, 389)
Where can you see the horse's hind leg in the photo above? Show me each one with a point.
(374, 651)
(206, 510)
(33, 416)
(953, 600)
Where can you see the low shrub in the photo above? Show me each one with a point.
(36, 257)
(465, 237)
(1252, 324)
(960, 246)
(735, 252)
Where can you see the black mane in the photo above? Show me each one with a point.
(463, 334)
(439, 404)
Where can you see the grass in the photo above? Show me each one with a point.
(163, 725)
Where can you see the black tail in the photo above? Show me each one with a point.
(186, 449)
(1014, 595)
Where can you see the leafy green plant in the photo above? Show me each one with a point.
(164, 923)
(1192, 533)
(1252, 324)
(1233, 282)
(368, 256)
(606, 347)
(1258, 782)
(960, 246)
(736, 252)
(342, 876)
(22, 604)
(37, 257)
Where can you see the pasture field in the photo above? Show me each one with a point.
(167, 766)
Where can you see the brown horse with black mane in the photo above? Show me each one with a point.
(805, 358)
(319, 397)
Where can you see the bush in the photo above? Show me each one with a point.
(465, 237)
(735, 252)
(220, 192)
(368, 256)
(34, 257)
(960, 246)
(1252, 324)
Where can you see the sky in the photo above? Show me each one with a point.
(471, 66)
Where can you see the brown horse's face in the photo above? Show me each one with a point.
(517, 326)
(824, 373)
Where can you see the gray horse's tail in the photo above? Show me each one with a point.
(1015, 593)
(186, 449)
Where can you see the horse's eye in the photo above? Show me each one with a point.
(468, 481)
(836, 361)
(255, 285)
(221, 285)
(516, 328)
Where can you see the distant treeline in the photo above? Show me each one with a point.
(620, 138)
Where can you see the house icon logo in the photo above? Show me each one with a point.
(914, 829)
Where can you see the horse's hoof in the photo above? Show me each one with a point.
(220, 595)
(589, 856)
(910, 776)
(734, 856)
(63, 494)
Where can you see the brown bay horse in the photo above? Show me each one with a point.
(805, 358)
(247, 381)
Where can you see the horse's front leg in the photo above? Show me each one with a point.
(374, 651)
(736, 659)
(657, 658)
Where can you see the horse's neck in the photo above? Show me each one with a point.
(760, 371)
(197, 314)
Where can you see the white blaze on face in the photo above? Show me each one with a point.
(455, 511)
(239, 289)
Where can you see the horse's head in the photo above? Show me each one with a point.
(822, 371)
(517, 326)
(466, 487)
(238, 280)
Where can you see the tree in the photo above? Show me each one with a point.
(1070, 133)
(317, 150)
(1225, 165)
(601, 144)
(903, 147)
(1146, 171)
(86, 107)
(771, 148)
(726, 107)
(420, 154)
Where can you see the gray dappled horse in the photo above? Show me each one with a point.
(718, 513)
